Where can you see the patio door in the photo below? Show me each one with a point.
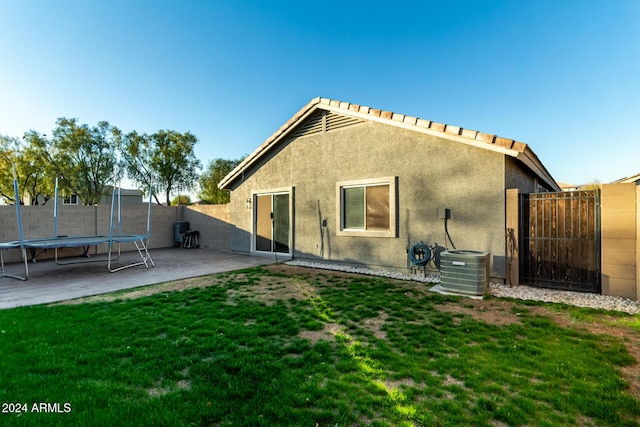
(272, 228)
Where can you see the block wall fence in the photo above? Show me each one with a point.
(620, 205)
(212, 221)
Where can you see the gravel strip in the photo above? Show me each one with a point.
(430, 278)
(577, 299)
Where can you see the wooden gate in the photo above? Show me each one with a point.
(560, 240)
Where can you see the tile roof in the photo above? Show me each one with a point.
(507, 146)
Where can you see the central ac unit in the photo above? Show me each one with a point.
(465, 272)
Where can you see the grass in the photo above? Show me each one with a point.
(266, 347)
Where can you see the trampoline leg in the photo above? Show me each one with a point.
(26, 266)
(109, 257)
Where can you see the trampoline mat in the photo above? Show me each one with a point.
(72, 241)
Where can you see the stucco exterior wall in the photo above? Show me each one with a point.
(432, 174)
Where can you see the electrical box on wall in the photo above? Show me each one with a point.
(444, 213)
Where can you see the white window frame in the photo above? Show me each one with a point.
(342, 231)
(71, 200)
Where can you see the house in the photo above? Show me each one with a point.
(567, 187)
(630, 179)
(127, 197)
(351, 184)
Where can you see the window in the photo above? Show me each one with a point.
(367, 208)
(71, 200)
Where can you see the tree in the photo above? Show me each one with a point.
(38, 177)
(593, 185)
(83, 158)
(182, 199)
(165, 159)
(26, 159)
(8, 149)
(215, 171)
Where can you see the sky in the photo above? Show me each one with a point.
(562, 76)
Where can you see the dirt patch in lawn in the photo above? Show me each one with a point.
(177, 286)
(271, 289)
(328, 333)
(499, 312)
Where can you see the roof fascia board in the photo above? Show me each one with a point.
(540, 171)
(427, 131)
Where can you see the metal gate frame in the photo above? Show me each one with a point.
(560, 239)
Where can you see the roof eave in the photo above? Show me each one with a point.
(529, 158)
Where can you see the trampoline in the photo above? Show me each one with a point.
(55, 242)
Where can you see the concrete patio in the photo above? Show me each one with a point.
(49, 282)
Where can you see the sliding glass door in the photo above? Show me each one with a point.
(272, 228)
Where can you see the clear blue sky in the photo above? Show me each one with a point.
(562, 76)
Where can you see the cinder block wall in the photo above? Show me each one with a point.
(620, 240)
(213, 222)
(37, 221)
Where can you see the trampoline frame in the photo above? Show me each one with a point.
(56, 242)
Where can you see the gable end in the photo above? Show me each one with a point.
(322, 115)
(325, 121)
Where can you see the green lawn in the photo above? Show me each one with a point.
(284, 346)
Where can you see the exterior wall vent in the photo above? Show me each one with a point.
(338, 121)
(311, 126)
(324, 121)
(464, 272)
